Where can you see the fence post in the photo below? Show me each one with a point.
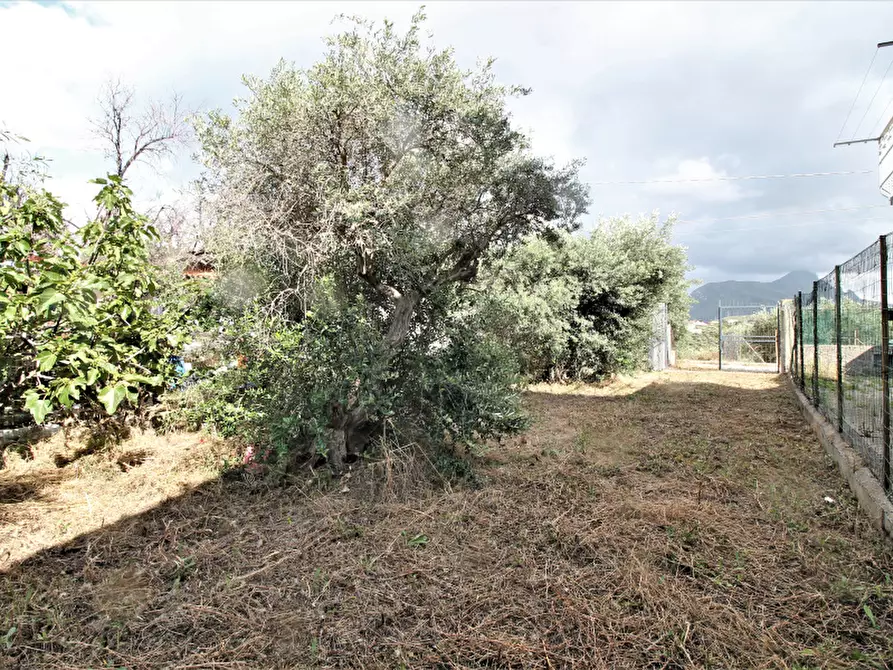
(885, 360)
(719, 319)
(815, 343)
(801, 374)
(778, 337)
(837, 332)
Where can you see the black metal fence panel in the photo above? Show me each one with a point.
(841, 347)
(807, 334)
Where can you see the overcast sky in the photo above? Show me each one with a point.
(643, 92)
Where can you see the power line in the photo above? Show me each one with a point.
(853, 106)
(870, 102)
(737, 178)
(766, 215)
(879, 124)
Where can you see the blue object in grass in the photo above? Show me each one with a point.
(181, 367)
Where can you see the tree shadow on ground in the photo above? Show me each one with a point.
(24, 488)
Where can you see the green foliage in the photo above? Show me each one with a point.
(581, 307)
(77, 319)
(860, 321)
(701, 345)
(362, 196)
(461, 388)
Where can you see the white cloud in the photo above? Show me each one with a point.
(202, 48)
(700, 180)
(620, 84)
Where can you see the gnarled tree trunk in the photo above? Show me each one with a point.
(351, 429)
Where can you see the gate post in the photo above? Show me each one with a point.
(885, 360)
(719, 319)
(799, 334)
(838, 331)
(815, 343)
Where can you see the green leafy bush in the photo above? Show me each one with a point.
(79, 323)
(581, 307)
(458, 387)
(362, 196)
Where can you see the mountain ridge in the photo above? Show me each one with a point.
(738, 292)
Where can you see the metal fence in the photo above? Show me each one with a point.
(840, 356)
(748, 337)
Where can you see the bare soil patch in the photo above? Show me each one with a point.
(676, 520)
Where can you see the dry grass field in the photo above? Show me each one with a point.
(685, 519)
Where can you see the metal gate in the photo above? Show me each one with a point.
(660, 348)
(748, 337)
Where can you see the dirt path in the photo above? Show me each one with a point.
(675, 520)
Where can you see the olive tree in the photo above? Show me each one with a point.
(581, 307)
(391, 174)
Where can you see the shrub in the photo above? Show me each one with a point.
(80, 326)
(581, 307)
(460, 388)
(365, 194)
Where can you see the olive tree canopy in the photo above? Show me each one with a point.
(385, 168)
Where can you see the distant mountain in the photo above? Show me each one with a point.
(709, 295)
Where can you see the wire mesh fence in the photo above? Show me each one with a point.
(807, 341)
(748, 336)
(825, 314)
(840, 357)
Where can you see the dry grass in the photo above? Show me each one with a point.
(58, 494)
(673, 521)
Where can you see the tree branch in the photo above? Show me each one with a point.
(149, 135)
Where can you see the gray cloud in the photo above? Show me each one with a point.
(775, 104)
(640, 90)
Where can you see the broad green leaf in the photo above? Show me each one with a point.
(48, 298)
(79, 316)
(39, 407)
(111, 397)
(142, 379)
(14, 276)
(46, 360)
(74, 387)
(92, 376)
(62, 395)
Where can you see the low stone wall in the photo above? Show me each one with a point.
(857, 359)
(862, 481)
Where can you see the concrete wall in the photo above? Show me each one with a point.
(858, 359)
(862, 481)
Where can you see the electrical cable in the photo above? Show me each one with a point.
(853, 106)
(870, 102)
